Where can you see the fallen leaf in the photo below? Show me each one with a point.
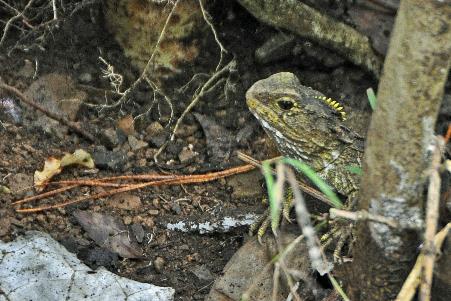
(53, 166)
(108, 232)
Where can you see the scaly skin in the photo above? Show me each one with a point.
(306, 128)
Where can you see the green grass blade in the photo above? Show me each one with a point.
(311, 174)
(270, 186)
(371, 98)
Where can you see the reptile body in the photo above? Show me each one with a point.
(309, 127)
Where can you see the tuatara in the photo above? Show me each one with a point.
(307, 126)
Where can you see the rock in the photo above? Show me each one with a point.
(136, 144)
(138, 231)
(111, 160)
(155, 128)
(187, 154)
(126, 125)
(36, 267)
(186, 131)
(155, 134)
(126, 201)
(153, 212)
(203, 273)
(157, 140)
(176, 208)
(249, 265)
(71, 107)
(109, 138)
(175, 147)
(137, 25)
(159, 263)
(48, 91)
(85, 77)
(5, 222)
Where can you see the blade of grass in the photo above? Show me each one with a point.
(311, 174)
(272, 193)
(371, 98)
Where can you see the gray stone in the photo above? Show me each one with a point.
(36, 267)
(136, 144)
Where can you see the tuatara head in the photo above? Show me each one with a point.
(303, 123)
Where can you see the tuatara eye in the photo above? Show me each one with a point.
(285, 103)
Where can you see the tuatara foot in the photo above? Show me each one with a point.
(262, 223)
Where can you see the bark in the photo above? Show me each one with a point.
(309, 23)
(396, 154)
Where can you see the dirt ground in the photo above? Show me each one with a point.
(67, 60)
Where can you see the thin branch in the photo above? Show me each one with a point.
(363, 215)
(432, 208)
(11, 20)
(72, 125)
(207, 19)
(183, 179)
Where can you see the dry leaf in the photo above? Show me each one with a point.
(53, 166)
(108, 232)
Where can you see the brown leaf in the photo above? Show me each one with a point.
(108, 232)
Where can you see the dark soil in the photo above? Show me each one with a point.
(171, 258)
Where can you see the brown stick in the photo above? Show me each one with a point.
(72, 125)
(184, 179)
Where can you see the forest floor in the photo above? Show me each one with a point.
(66, 65)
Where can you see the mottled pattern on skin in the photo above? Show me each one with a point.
(307, 129)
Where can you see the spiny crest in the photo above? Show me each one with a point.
(335, 105)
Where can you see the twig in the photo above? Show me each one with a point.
(432, 207)
(145, 71)
(10, 21)
(43, 195)
(72, 125)
(207, 18)
(196, 99)
(362, 215)
(409, 287)
(303, 219)
(183, 179)
(55, 13)
(211, 81)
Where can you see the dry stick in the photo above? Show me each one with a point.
(43, 195)
(432, 207)
(409, 287)
(72, 125)
(123, 177)
(207, 18)
(55, 13)
(305, 188)
(196, 99)
(10, 21)
(448, 134)
(363, 215)
(143, 75)
(185, 179)
(303, 219)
